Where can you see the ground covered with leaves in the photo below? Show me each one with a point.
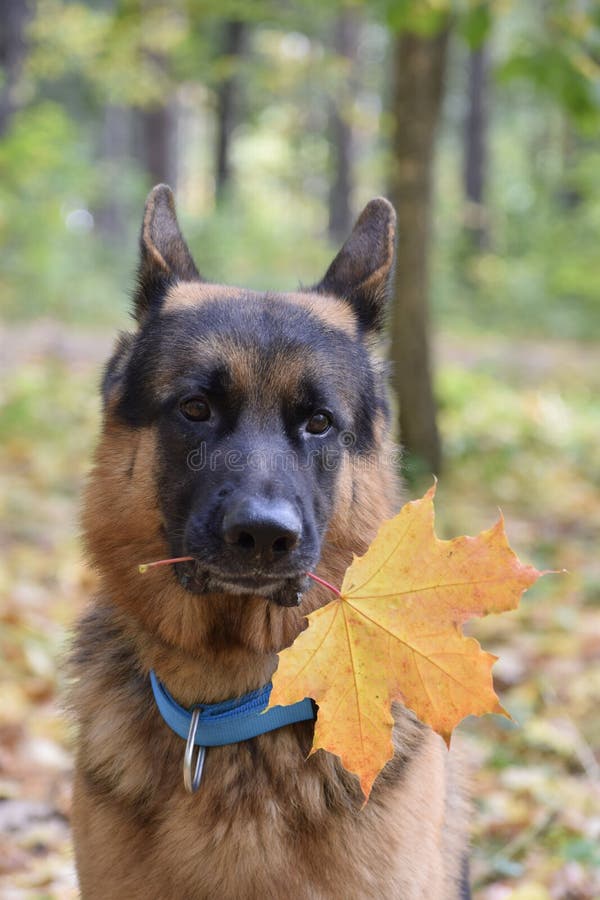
(520, 421)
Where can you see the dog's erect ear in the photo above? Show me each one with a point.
(164, 255)
(362, 270)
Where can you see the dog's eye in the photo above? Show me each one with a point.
(195, 408)
(319, 423)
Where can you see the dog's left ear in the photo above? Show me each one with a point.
(362, 270)
(164, 254)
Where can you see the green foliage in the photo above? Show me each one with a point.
(472, 18)
(424, 18)
(556, 50)
(239, 245)
(535, 273)
(476, 23)
(53, 261)
(561, 76)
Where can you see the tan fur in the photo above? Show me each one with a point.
(189, 294)
(265, 822)
(330, 310)
(285, 369)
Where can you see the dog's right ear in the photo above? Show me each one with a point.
(362, 270)
(164, 255)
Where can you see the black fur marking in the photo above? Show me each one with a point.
(150, 291)
(183, 347)
(265, 365)
(115, 367)
(131, 467)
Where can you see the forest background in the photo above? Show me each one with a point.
(275, 121)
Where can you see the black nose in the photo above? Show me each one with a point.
(262, 528)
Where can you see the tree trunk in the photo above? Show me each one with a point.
(418, 77)
(475, 137)
(156, 143)
(114, 148)
(12, 54)
(568, 195)
(345, 41)
(234, 36)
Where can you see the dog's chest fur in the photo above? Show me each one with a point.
(264, 823)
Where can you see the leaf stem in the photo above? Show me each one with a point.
(324, 583)
(143, 567)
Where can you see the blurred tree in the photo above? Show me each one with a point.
(346, 30)
(475, 145)
(114, 149)
(569, 195)
(156, 145)
(228, 101)
(418, 77)
(15, 14)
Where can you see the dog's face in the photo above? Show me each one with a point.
(256, 400)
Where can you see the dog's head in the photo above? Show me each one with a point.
(250, 405)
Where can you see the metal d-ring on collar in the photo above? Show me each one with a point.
(228, 722)
(192, 782)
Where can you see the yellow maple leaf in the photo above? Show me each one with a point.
(394, 633)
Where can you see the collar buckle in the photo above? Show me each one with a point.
(192, 782)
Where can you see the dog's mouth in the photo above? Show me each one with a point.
(284, 589)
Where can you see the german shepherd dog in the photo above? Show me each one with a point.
(206, 403)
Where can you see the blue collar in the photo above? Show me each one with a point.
(231, 721)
